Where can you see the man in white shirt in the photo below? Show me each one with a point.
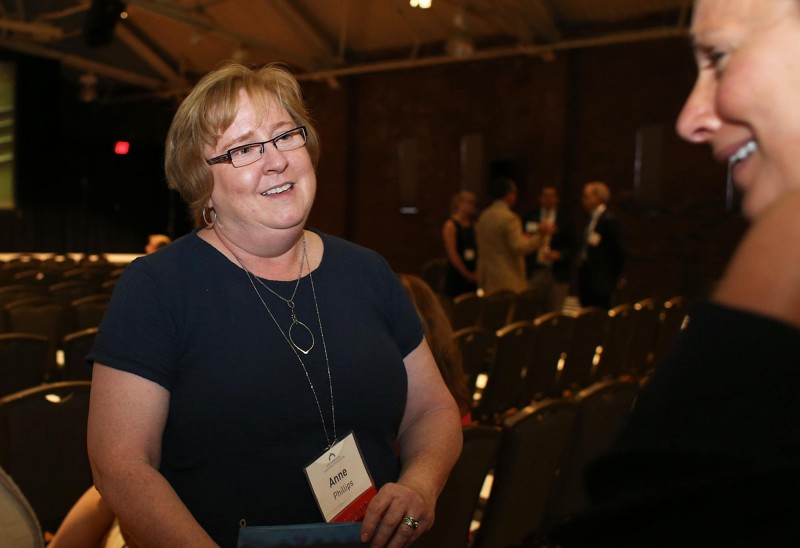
(549, 268)
(602, 256)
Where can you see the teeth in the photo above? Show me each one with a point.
(277, 190)
(743, 152)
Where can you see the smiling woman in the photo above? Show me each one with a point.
(712, 446)
(234, 360)
(743, 102)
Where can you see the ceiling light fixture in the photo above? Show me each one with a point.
(424, 4)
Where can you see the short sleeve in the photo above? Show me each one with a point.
(138, 333)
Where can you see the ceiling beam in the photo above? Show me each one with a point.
(204, 23)
(149, 56)
(544, 26)
(307, 29)
(544, 51)
(38, 31)
(79, 63)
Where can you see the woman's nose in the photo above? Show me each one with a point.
(698, 120)
(274, 159)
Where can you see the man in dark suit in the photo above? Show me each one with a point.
(549, 269)
(602, 256)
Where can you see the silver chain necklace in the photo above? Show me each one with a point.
(328, 439)
(290, 301)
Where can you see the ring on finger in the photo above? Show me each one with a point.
(411, 522)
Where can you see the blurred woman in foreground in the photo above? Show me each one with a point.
(711, 453)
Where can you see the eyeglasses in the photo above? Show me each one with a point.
(247, 154)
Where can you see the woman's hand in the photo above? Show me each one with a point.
(383, 523)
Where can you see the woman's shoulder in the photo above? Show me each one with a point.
(343, 258)
(340, 247)
(174, 260)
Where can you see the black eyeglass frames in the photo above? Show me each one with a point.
(245, 155)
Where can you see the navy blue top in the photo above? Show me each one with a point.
(243, 421)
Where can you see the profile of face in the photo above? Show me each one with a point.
(275, 192)
(467, 203)
(746, 100)
(548, 198)
(590, 198)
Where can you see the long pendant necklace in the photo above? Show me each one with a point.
(330, 440)
(296, 324)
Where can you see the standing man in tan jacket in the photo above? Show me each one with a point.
(501, 242)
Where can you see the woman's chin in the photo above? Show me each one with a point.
(755, 203)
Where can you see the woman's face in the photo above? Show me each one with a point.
(467, 203)
(746, 100)
(275, 192)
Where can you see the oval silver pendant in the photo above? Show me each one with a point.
(310, 334)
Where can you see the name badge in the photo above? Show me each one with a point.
(469, 254)
(340, 482)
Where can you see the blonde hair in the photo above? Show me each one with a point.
(439, 335)
(211, 108)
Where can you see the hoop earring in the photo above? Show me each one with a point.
(209, 224)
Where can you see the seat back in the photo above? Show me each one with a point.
(529, 304)
(617, 340)
(602, 410)
(43, 446)
(97, 273)
(477, 346)
(434, 272)
(41, 276)
(68, 290)
(497, 309)
(467, 310)
(456, 506)
(641, 351)
(587, 334)
(23, 361)
(531, 449)
(505, 382)
(89, 310)
(673, 314)
(551, 341)
(15, 292)
(76, 347)
(42, 315)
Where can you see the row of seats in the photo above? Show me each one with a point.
(43, 312)
(48, 272)
(535, 460)
(557, 352)
(46, 332)
(27, 360)
(49, 312)
(494, 309)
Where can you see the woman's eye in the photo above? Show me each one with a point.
(242, 151)
(714, 59)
